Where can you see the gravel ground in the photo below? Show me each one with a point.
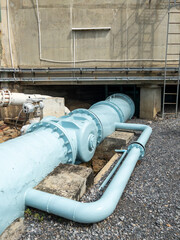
(149, 207)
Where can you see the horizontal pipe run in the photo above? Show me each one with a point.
(9, 98)
(80, 70)
(113, 171)
(87, 79)
(102, 208)
(120, 151)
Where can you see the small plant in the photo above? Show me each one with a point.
(28, 212)
(38, 217)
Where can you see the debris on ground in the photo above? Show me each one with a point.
(7, 132)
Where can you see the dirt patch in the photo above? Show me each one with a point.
(7, 132)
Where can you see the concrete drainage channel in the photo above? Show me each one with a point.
(121, 108)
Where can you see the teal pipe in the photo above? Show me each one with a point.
(116, 108)
(28, 159)
(104, 207)
(114, 168)
(142, 140)
(146, 130)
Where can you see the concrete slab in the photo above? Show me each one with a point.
(106, 149)
(114, 141)
(14, 231)
(53, 107)
(70, 181)
(120, 138)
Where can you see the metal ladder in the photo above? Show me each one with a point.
(169, 45)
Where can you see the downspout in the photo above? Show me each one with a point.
(9, 34)
(104, 207)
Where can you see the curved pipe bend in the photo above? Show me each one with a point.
(146, 130)
(102, 208)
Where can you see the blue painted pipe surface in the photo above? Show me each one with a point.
(26, 160)
(119, 107)
(86, 212)
(101, 209)
(146, 130)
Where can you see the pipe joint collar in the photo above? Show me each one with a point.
(113, 106)
(126, 98)
(137, 145)
(62, 134)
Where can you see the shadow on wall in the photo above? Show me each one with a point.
(135, 29)
(151, 18)
(138, 29)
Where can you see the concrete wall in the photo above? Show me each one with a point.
(138, 31)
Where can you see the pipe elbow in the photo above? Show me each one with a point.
(145, 129)
(93, 212)
(70, 209)
(149, 128)
(132, 126)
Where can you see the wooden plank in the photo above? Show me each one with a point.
(106, 168)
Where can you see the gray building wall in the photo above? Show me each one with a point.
(137, 34)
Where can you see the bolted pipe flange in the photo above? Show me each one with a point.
(5, 98)
(93, 117)
(137, 145)
(62, 134)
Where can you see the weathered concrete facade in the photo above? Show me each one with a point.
(132, 33)
(89, 34)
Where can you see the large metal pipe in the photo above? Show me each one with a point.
(101, 209)
(8, 98)
(26, 160)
